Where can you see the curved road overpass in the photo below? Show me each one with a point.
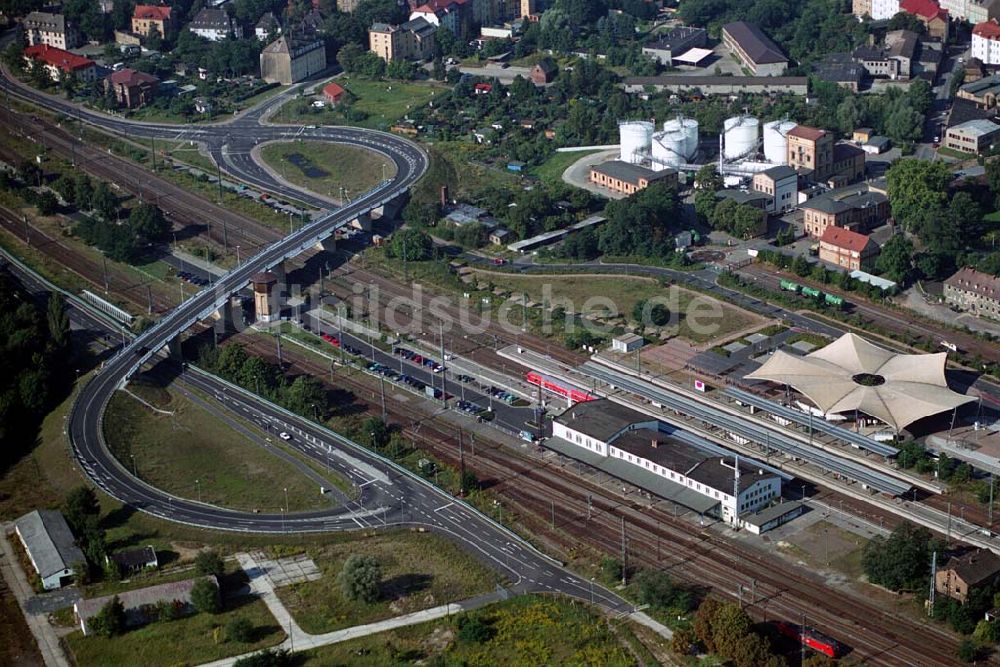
(393, 496)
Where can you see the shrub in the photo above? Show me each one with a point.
(272, 657)
(239, 630)
(209, 562)
(110, 620)
(360, 578)
(472, 629)
(205, 597)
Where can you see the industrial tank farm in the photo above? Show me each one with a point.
(740, 137)
(776, 140)
(636, 137)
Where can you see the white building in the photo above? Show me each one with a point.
(51, 29)
(629, 342)
(986, 42)
(214, 25)
(884, 9)
(781, 184)
(48, 541)
(610, 429)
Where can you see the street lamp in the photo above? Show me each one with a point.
(197, 485)
(134, 471)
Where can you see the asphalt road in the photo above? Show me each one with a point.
(391, 496)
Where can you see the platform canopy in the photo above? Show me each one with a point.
(852, 374)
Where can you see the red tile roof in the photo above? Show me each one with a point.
(987, 29)
(333, 91)
(927, 9)
(844, 238)
(64, 60)
(804, 132)
(152, 12)
(131, 77)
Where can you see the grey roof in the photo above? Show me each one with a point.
(976, 128)
(45, 21)
(839, 72)
(773, 512)
(779, 172)
(842, 151)
(758, 46)
(134, 558)
(628, 172)
(827, 204)
(666, 41)
(695, 81)
(879, 141)
(382, 27)
(419, 26)
(983, 86)
(742, 196)
(668, 452)
(601, 419)
(267, 21)
(210, 19)
(718, 473)
(48, 541)
(902, 43)
(870, 53)
(865, 199)
(975, 567)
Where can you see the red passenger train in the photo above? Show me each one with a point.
(814, 639)
(559, 387)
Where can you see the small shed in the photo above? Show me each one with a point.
(135, 560)
(499, 236)
(629, 342)
(544, 71)
(515, 166)
(333, 92)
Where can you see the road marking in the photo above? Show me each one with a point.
(444, 507)
(357, 522)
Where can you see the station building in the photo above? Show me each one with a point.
(696, 476)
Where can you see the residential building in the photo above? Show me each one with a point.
(267, 27)
(147, 18)
(963, 574)
(973, 136)
(455, 15)
(811, 149)
(860, 212)
(49, 544)
(974, 292)
(544, 71)
(61, 63)
(287, 60)
(134, 560)
(413, 40)
(848, 165)
(132, 89)
(862, 134)
(931, 14)
(781, 184)
(333, 92)
(675, 42)
(526, 8)
(718, 85)
(754, 49)
(986, 42)
(876, 145)
(628, 178)
(974, 70)
(51, 30)
(895, 60)
(214, 25)
(882, 10)
(973, 11)
(141, 604)
(848, 250)
(626, 343)
(861, 8)
(611, 430)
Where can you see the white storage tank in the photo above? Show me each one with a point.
(669, 149)
(689, 128)
(776, 140)
(740, 134)
(636, 138)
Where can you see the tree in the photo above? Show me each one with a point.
(473, 630)
(658, 591)
(83, 191)
(110, 620)
(411, 245)
(360, 578)
(46, 203)
(104, 201)
(967, 651)
(731, 627)
(81, 506)
(154, 40)
(654, 313)
(149, 222)
(205, 597)
(703, 623)
(439, 72)
(901, 561)
(708, 178)
(896, 260)
(240, 630)
(209, 562)
(58, 321)
(306, 395)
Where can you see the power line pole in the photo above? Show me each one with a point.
(933, 590)
(461, 464)
(277, 339)
(624, 555)
(381, 382)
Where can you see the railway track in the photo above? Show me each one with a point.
(657, 539)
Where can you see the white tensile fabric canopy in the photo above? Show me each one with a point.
(900, 389)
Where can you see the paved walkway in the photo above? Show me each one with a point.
(299, 640)
(44, 633)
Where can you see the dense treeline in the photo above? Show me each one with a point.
(34, 356)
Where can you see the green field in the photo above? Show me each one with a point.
(527, 630)
(173, 452)
(381, 102)
(419, 570)
(552, 169)
(325, 168)
(186, 641)
(590, 294)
